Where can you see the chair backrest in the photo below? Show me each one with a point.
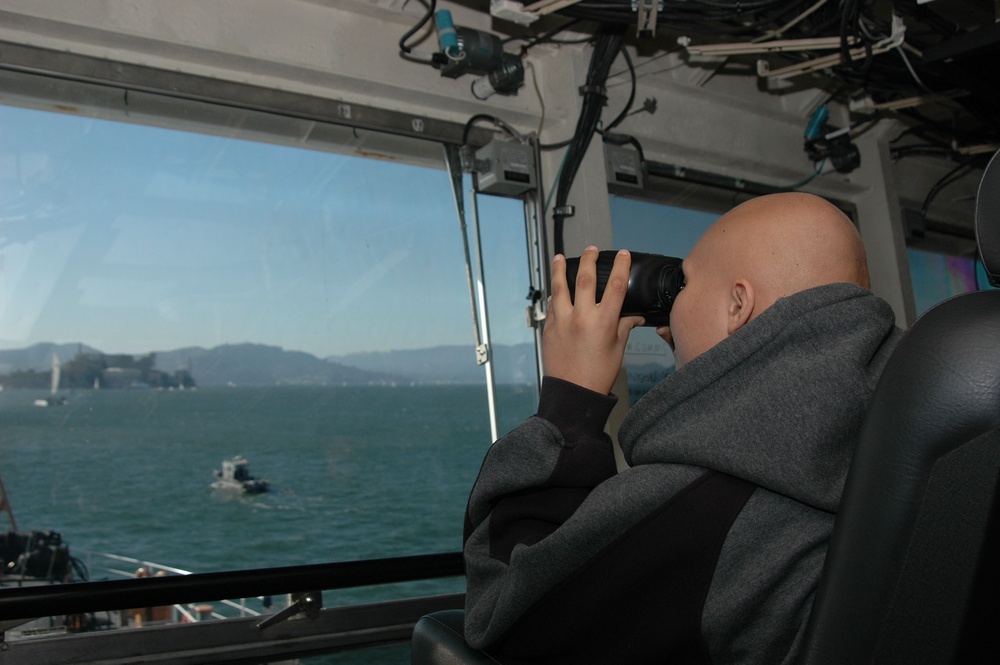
(438, 639)
(910, 576)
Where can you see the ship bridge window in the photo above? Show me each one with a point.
(188, 289)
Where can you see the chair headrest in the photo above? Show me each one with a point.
(988, 220)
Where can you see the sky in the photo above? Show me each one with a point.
(132, 239)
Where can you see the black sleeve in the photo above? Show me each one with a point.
(585, 460)
(526, 513)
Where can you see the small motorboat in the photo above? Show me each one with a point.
(235, 475)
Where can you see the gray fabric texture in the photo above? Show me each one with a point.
(780, 404)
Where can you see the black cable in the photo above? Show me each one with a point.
(859, 27)
(606, 48)
(412, 31)
(548, 36)
(945, 180)
(849, 27)
(638, 146)
(474, 119)
(631, 97)
(845, 33)
(499, 122)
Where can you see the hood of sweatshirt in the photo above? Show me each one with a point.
(780, 402)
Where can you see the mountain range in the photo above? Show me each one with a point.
(260, 364)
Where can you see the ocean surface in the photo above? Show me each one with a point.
(356, 473)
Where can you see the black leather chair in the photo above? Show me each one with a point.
(911, 574)
(438, 639)
(912, 571)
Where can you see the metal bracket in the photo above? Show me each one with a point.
(482, 354)
(646, 18)
(534, 315)
(308, 604)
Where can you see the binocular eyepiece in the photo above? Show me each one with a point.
(653, 283)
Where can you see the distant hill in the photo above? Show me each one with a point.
(259, 364)
(514, 364)
(38, 357)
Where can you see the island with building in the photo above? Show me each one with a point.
(98, 370)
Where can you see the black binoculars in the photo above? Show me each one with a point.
(653, 283)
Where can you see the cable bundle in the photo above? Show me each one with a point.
(606, 46)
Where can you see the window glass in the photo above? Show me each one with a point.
(202, 296)
(654, 228)
(937, 277)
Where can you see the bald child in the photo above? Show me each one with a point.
(709, 547)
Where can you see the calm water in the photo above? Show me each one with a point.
(356, 473)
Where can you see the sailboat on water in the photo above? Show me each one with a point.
(53, 398)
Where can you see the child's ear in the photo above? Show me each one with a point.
(742, 299)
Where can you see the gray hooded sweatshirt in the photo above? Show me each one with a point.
(708, 549)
